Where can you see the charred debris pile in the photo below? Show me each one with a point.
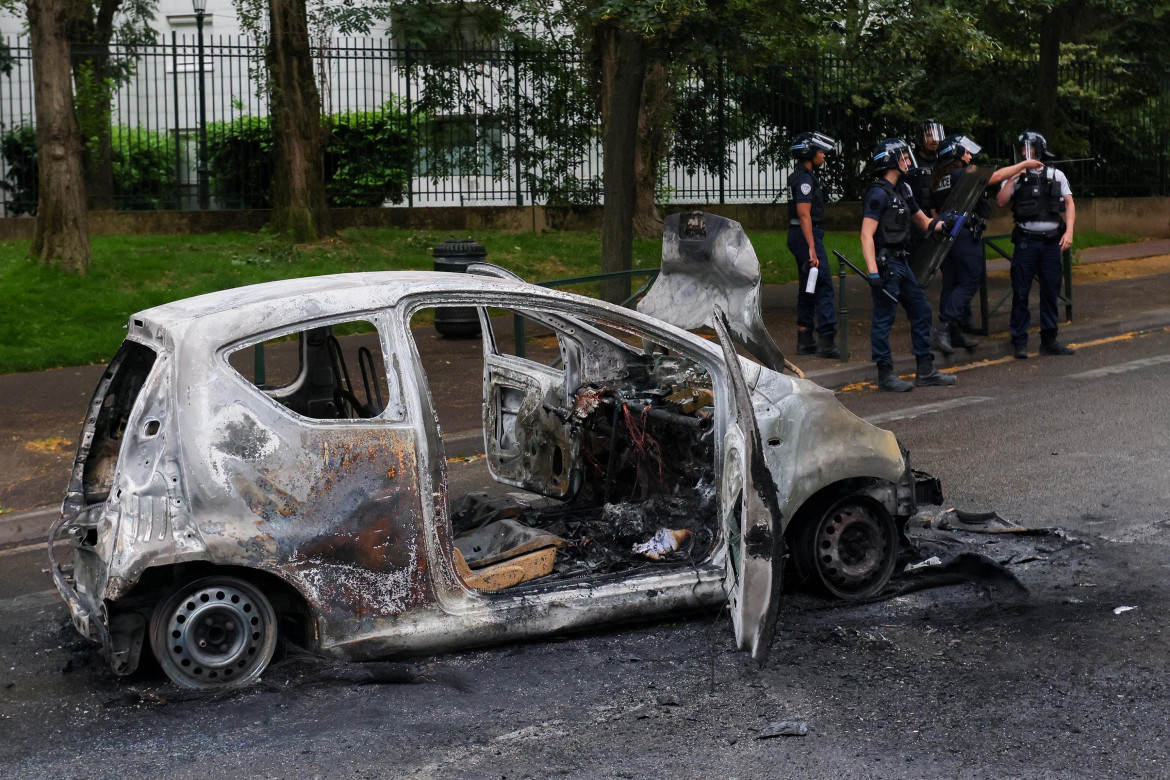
(646, 489)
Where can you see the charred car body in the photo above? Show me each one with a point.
(217, 502)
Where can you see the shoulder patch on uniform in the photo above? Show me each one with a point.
(875, 204)
(805, 188)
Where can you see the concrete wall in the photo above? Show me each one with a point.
(1146, 217)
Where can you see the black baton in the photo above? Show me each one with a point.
(862, 274)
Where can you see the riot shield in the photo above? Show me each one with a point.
(961, 202)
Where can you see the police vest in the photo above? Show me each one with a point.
(893, 230)
(1037, 198)
(919, 181)
(817, 210)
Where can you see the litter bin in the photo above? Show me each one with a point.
(454, 257)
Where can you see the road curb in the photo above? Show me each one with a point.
(995, 347)
(27, 525)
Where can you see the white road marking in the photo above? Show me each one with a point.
(918, 411)
(1121, 368)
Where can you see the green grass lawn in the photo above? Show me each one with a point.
(51, 319)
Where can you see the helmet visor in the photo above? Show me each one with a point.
(822, 142)
(932, 135)
(904, 157)
(1029, 149)
(969, 145)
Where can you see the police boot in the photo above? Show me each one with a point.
(826, 348)
(891, 382)
(928, 376)
(961, 339)
(1020, 350)
(940, 339)
(805, 343)
(1050, 346)
(968, 326)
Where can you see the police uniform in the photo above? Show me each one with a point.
(918, 177)
(918, 180)
(804, 186)
(964, 264)
(1038, 206)
(892, 206)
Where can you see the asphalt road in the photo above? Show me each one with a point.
(951, 682)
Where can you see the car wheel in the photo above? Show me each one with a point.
(850, 550)
(214, 632)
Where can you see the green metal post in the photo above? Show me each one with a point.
(258, 369)
(843, 311)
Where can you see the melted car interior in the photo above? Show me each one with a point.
(599, 443)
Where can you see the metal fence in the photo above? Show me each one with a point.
(516, 127)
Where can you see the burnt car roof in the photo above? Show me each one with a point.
(273, 305)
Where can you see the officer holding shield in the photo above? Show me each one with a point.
(806, 242)
(888, 211)
(1044, 212)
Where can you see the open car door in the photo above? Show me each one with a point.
(527, 442)
(751, 517)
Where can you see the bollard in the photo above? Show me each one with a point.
(843, 313)
(454, 257)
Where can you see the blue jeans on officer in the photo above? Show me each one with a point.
(1035, 255)
(903, 286)
(817, 304)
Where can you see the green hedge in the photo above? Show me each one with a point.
(367, 159)
(19, 149)
(144, 169)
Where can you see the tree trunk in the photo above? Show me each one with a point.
(651, 150)
(61, 235)
(623, 69)
(1047, 77)
(298, 182)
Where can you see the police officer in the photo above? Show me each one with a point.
(888, 210)
(806, 242)
(1044, 212)
(930, 135)
(964, 264)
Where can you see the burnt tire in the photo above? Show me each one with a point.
(848, 551)
(213, 633)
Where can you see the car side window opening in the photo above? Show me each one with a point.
(327, 372)
(130, 368)
(600, 453)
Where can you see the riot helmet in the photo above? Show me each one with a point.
(889, 154)
(1031, 146)
(930, 134)
(806, 145)
(953, 147)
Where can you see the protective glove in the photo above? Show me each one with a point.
(949, 219)
(876, 281)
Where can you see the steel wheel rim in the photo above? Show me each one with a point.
(215, 633)
(852, 548)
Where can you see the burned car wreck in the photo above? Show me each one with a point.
(222, 498)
